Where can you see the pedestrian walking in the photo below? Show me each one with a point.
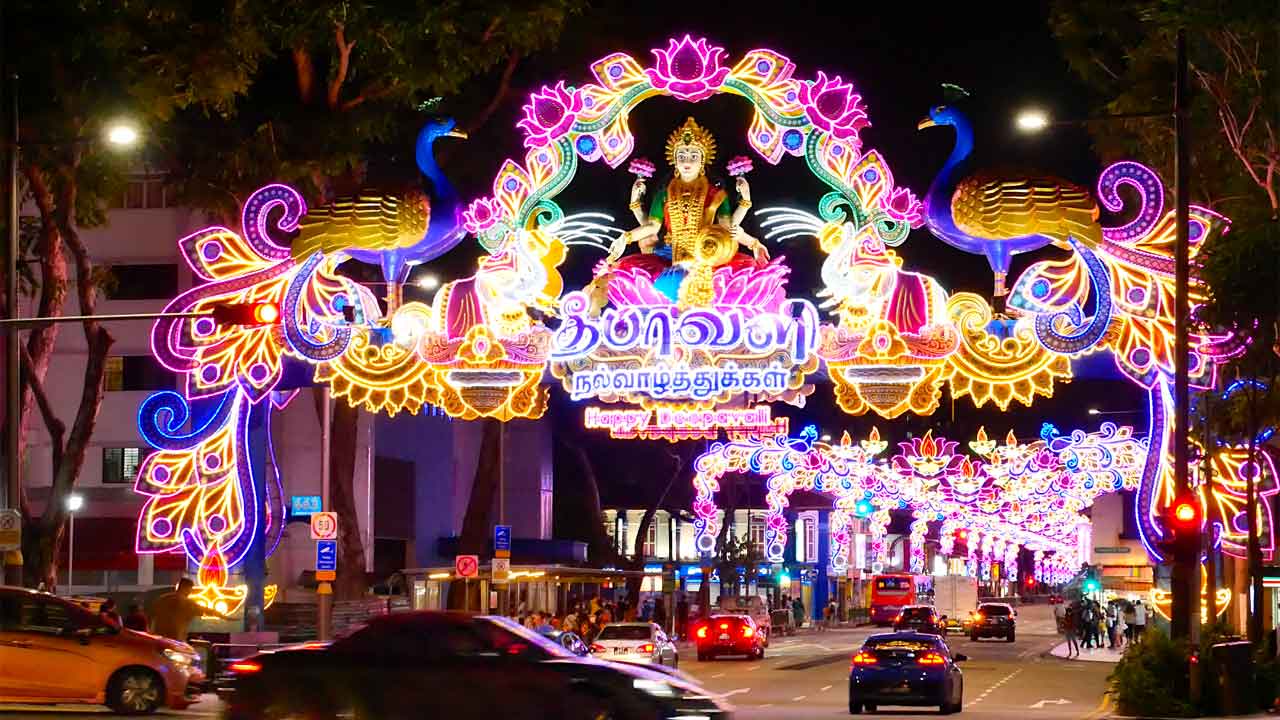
(1122, 628)
(1112, 614)
(109, 616)
(682, 616)
(1069, 630)
(1139, 621)
(135, 619)
(797, 611)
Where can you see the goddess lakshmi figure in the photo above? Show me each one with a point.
(701, 231)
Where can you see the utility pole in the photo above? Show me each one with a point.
(12, 356)
(1184, 620)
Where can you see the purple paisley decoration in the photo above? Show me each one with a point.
(254, 218)
(1150, 191)
(300, 339)
(1090, 334)
(1144, 506)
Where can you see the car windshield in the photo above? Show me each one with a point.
(994, 610)
(624, 632)
(514, 628)
(918, 613)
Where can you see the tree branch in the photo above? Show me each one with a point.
(375, 91)
(305, 71)
(344, 62)
(488, 32)
(57, 429)
(504, 86)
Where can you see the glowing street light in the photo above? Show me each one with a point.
(122, 134)
(75, 501)
(1032, 120)
(826, 437)
(428, 282)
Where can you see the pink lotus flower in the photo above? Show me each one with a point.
(549, 114)
(481, 215)
(688, 69)
(642, 167)
(740, 165)
(834, 106)
(903, 205)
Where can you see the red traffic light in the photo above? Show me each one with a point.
(1184, 512)
(962, 534)
(251, 314)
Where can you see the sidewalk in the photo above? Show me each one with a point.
(1106, 655)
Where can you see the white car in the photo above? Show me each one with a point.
(641, 643)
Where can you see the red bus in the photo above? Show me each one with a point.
(889, 593)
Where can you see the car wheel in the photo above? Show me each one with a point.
(675, 662)
(703, 657)
(973, 637)
(871, 707)
(135, 691)
(945, 707)
(760, 654)
(588, 706)
(855, 707)
(1010, 637)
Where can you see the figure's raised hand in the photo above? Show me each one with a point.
(637, 190)
(618, 246)
(760, 253)
(743, 188)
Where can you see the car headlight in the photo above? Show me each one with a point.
(656, 688)
(179, 658)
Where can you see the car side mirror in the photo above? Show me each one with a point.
(959, 657)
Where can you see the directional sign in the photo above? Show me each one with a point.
(466, 566)
(324, 526)
(10, 530)
(501, 570)
(327, 555)
(304, 505)
(502, 541)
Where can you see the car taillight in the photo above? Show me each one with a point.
(897, 618)
(244, 667)
(645, 648)
(977, 616)
(597, 648)
(932, 658)
(747, 631)
(702, 632)
(723, 626)
(864, 658)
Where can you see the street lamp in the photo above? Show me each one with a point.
(75, 501)
(1031, 120)
(122, 134)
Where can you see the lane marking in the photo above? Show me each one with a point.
(824, 688)
(739, 691)
(798, 698)
(765, 705)
(717, 676)
(753, 668)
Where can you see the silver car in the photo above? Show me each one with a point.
(642, 643)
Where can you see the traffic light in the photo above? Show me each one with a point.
(1182, 520)
(1091, 582)
(251, 314)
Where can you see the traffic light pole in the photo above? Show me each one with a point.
(1184, 620)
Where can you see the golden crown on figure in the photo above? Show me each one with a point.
(691, 134)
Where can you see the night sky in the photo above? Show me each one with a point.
(897, 55)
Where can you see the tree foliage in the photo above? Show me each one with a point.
(144, 61)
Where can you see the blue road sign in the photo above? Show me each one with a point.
(304, 505)
(502, 540)
(326, 555)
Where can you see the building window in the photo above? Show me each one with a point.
(137, 372)
(146, 281)
(755, 535)
(120, 465)
(143, 192)
(811, 540)
(649, 547)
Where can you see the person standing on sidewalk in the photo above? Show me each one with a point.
(1139, 620)
(797, 610)
(1069, 630)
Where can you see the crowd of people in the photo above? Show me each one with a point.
(1088, 624)
(587, 618)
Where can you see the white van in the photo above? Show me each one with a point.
(752, 605)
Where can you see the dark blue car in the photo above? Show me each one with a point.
(905, 668)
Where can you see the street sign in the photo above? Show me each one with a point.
(324, 526)
(10, 530)
(304, 505)
(466, 566)
(502, 541)
(1114, 550)
(501, 570)
(327, 555)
